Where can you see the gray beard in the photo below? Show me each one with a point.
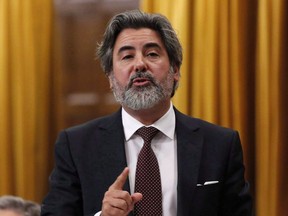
(144, 97)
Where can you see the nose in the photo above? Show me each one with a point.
(140, 64)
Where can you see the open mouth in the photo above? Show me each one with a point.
(141, 81)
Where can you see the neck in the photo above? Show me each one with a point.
(149, 116)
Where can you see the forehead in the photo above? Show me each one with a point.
(140, 36)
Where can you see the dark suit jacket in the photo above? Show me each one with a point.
(89, 157)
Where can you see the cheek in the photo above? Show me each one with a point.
(161, 73)
(122, 78)
(121, 72)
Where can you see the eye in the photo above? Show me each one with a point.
(126, 57)
(152, 54)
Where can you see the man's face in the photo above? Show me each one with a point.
(141, 76)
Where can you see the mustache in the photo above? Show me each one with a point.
(141, 74)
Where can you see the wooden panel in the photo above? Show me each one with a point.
(81, 88)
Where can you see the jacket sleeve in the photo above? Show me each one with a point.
(65, 196)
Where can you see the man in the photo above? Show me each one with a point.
(16, 206)
(200, 164)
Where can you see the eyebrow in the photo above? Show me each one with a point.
(152, 45)
(146, 46)
(124, 48)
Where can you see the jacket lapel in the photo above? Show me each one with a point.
(115, 157)
(114, 134)
(189, 149)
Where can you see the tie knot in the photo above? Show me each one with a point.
(147, 133)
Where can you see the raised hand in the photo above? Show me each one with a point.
(117, 202)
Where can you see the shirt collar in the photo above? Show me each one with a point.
(166, 124)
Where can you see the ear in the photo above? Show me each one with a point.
(110, 81)
(176, 73)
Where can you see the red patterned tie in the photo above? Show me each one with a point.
(147, 180)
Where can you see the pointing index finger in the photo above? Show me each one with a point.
(120, 181)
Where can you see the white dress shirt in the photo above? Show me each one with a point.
(164, 147)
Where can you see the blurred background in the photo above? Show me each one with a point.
(235, 74)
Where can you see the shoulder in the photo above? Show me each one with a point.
(211, 134)
(200, 124)
(101, 122)
(91, 132)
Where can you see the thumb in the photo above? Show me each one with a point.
(136, 197)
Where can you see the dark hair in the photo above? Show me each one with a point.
(19, 205)
(137, 19)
